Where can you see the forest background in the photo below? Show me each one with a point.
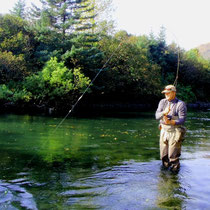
(49, 56)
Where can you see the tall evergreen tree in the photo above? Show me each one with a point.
(86, 13)
(66, 16)
(71, 22)
(19, 9)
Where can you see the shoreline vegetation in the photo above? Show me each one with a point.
(93, 109)
(50, 55)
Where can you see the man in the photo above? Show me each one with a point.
(172, 114)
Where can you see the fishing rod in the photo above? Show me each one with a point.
(178, 58)
(75, 104)
(177, 70)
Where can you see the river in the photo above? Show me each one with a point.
(100, 163)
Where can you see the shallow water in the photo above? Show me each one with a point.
(100, 163)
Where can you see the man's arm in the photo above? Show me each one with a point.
(182, 114)
(159, 113)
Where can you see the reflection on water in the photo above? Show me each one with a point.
(171, 193)
(100, 163)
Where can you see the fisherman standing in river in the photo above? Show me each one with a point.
(172, 114)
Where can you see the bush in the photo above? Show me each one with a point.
(12, 67)
(56, 84)
(5, 92)
(186, 94)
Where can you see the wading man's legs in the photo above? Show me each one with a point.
(170, 151)
(174, 152)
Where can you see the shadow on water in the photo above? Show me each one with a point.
(100, 163)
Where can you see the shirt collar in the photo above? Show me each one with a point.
(174, 100)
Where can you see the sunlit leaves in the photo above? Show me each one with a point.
(55, 84)
(11, 67)
(56, 81)
(16, 38)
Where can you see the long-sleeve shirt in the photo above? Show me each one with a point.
(177, 109)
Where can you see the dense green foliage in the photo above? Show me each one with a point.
(51, 57)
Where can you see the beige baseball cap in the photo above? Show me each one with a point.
(169, 88)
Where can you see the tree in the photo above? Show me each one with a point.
(56, 84)
(196, 74)
(85, 16)
(10, 26)
(129, 75)
(60, 24)
(19, 9)
(104, 24)
(12, 68)
(66, 16)
(18, 38)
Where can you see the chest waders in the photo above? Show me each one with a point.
(171, 137)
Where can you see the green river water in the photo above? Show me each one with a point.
(100, 163)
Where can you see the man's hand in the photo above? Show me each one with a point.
(168, 122)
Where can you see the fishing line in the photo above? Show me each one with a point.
(75, 104)
(88, 87)
(178, 59)
(177, 70)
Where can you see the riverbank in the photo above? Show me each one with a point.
(90, 108)
(199, 105)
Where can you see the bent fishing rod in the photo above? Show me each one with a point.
(177, 70)
(178, 58)
(75, 104)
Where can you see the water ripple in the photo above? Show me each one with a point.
(13, 193)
